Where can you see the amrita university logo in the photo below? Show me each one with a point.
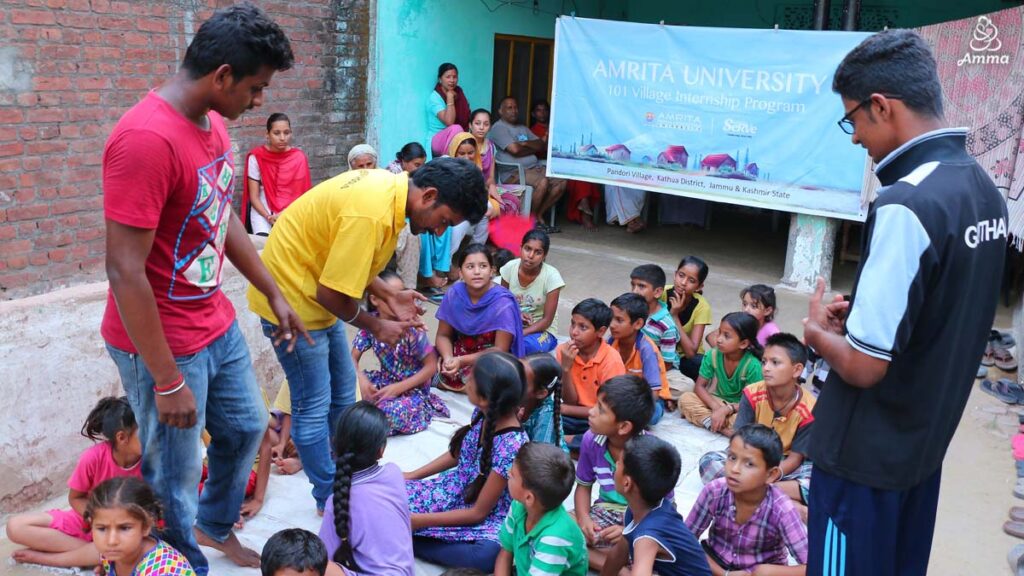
(984, 45)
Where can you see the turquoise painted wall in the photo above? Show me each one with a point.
(415, 36)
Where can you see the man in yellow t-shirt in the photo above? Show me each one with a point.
(325, 251)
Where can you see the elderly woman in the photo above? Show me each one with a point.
(362, 157)
(447, 104)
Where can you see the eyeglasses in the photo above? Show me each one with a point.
(846, 122)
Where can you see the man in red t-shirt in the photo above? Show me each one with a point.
(168, 174)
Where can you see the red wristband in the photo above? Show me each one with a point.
(177, 381)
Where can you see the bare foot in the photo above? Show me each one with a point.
(635, 225)
(288, 466)
(588, 222)
(30, 556)
(231, 548)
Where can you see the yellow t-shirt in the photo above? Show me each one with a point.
(340, 234)
(701, 316)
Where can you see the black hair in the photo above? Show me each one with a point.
(360, 437)
(446, 67)
(472, 115)
(547, 471)
(503, 256)
(500, 379)
(596, 312)
(539, 235)
(128, 493)
(699, 263)
(893, 63)
(746, 328)
(293, 548)
(795, 349)
(384, 275)
(764, 295)
(547, 372)
(110, 416)
(653, 464)
(241, 36)
(459, 183)
(474, 248)
(537, 102)
(764, 439)
(629, 397)
(633, 305)
(410, 152)
(277, 117)
(650, 273)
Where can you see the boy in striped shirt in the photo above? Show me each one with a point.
(539, 536)
(648, 280)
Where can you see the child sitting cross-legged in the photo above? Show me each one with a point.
(539, 536)
(781, 404)
(541, 412)
(296, 552)
(753, 523)
(623, 410)
(587, 363)
(401, 388)
(638, 352)
(456, 517)
(655, 539)
(724, 372)
(61, 537)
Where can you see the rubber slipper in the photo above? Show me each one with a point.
(1014, 528)
(1012, 387)
(1016, 559)
(999, 391)
(1004, 360)
(1001, 339)
(1017, 514)
(1018, 489)
(982, 371)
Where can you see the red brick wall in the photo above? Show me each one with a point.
(70, 68)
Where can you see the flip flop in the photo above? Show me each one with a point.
(982, 371)
(1017, 513)
(1004, 360)
(1012, 387)
(1016, 559)
(999, 390)
(1014, 528)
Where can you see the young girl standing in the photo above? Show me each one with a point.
(61, 537)
(123, 513)
(724, 372)
(475, 315)
(369, 500)
(456, 516)
(401, 388)
(541, 413)
(275, 175)
(536, 286)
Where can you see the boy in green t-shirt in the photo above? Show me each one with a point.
(724, 372)
(539, 536)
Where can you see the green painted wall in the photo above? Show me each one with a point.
(766, 13)
(415, 36)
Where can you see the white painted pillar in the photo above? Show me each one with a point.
(810, 252)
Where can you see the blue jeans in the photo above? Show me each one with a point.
(659, 411)
(229, 406)
(479, 554)
(539, 342)
(322, 380)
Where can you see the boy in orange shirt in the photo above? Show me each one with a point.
(639, 353)
(587, 362)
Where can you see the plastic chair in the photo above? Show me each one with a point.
(527, 200)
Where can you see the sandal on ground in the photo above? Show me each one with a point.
(1001, 339)
(987, 359)
(1016, 559)
(1000, 391)
(1014, 528)
(1017, 513)
(982, 371)
(1004, 360)
(1018, 491)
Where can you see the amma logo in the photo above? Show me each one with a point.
(984, 44)
(649, 117)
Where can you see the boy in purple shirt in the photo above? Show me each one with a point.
(623, 410)
(752, 521)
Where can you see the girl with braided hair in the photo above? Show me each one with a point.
(457, 515)
(369, 500)
(541, 412)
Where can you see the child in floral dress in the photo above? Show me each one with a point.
(401, 388)
(457, 515)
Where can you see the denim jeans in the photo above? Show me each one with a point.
(322, 380)
(479, 554)
(229, 406)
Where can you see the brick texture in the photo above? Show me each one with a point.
(77, 65)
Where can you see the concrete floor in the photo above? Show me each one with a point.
(741, 249)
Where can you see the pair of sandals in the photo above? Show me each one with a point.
(997, 352)
(1004, 390)
(547, 228)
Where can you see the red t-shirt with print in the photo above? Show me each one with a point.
(162, 172)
